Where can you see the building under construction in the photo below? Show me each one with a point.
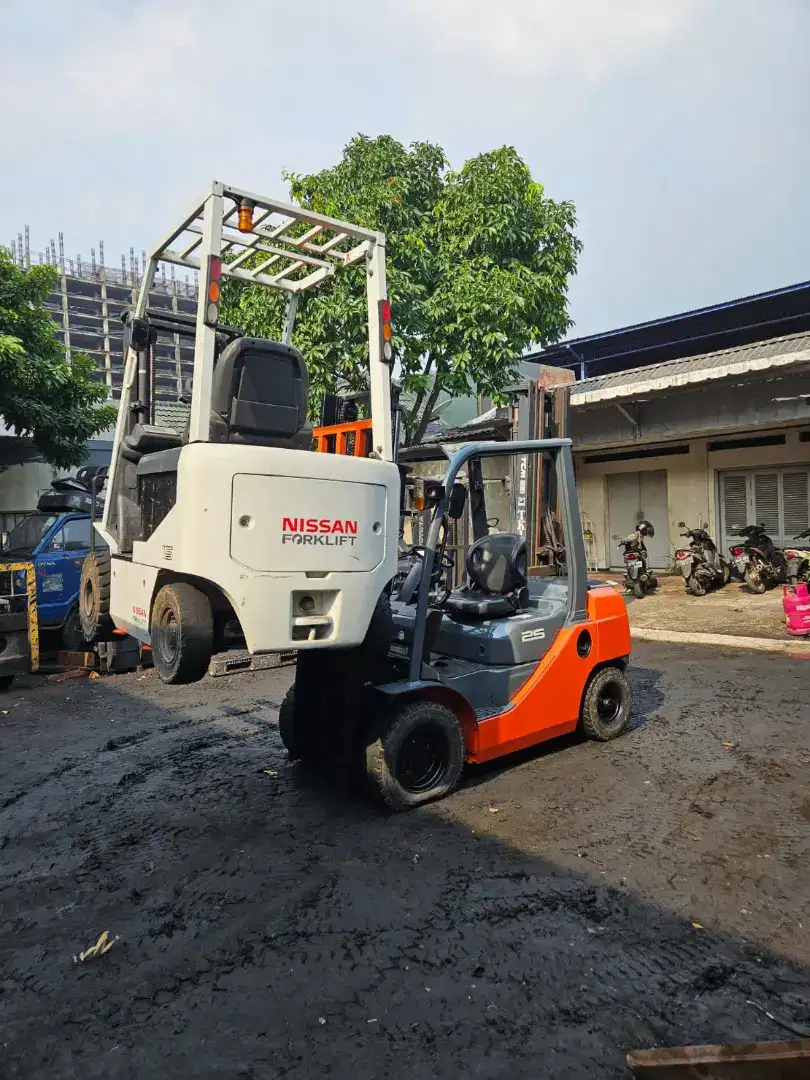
(86, 308)
(89, 302)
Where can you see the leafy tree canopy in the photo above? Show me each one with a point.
(42, 394)
(478, 263)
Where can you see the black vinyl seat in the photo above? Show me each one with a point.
(496, 567)
(259, 395)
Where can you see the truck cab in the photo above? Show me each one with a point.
(56, 538)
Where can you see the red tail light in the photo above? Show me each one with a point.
(385, 330)
(631, 555)
(792, 554)
(681, 554)
(736, 552)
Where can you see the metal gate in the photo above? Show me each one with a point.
(633, 497)
(779, 499)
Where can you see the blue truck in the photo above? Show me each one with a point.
(56, 538)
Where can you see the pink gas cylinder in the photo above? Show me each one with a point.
(796, 602)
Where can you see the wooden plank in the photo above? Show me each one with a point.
(77, 659)
(742, 1061)
(61, 676)
(236, 664)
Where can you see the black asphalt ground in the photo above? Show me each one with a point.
(562, 908)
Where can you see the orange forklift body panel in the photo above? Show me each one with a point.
(550, 701)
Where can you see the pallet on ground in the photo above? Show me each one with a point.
(245, 662)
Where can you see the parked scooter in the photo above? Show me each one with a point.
(758, 559)
(637, 577)
(798, 561)
(702, 565)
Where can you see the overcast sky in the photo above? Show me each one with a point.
(680, 128)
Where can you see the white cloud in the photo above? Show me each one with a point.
(146, 60)
(661, 119)
(114, 71)
(541, 37)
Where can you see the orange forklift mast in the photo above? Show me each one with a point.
(353, 439)
(342, 431)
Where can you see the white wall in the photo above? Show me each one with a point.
(691, 483)
(687, 493)
(20, 485)
(793, 452)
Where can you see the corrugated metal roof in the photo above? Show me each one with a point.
(761, 356)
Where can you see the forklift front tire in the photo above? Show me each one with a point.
(182, 632)
(415, 754)
(606, 705)
(94, 597)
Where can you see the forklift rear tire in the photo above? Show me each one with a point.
(94, 597)
(606, 705)
(286, 724)
(296, 743)
(415, 754)
(182, 632)
(72, 634)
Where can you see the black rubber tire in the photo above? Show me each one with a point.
(300, 744)
(609, 683)
(72, 634)
(793, 579)
(695, 586)
(182, 632)
(755, 583)
(726, 573)
(94, 597)
(388, 739)
(5, 682)
(286, 724)
(638, 590)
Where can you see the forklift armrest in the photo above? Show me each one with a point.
(148, 439)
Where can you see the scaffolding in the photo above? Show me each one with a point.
(90, 298)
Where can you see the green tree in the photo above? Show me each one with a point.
(478, 263)
(43, 395)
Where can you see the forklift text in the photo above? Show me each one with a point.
(325, 532)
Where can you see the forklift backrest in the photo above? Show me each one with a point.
(259, 395)
(496, 564)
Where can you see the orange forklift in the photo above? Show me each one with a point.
(448, 677)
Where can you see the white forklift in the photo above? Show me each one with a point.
(234, 521)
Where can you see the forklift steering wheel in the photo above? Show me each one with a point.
(443, 570)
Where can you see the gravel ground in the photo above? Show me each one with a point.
(734, 610)
(562, 908)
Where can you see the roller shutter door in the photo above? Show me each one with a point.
(777, 498)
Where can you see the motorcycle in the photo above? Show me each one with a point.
(637, 577)
(702, 565)
(758, 559)
(798, 561)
